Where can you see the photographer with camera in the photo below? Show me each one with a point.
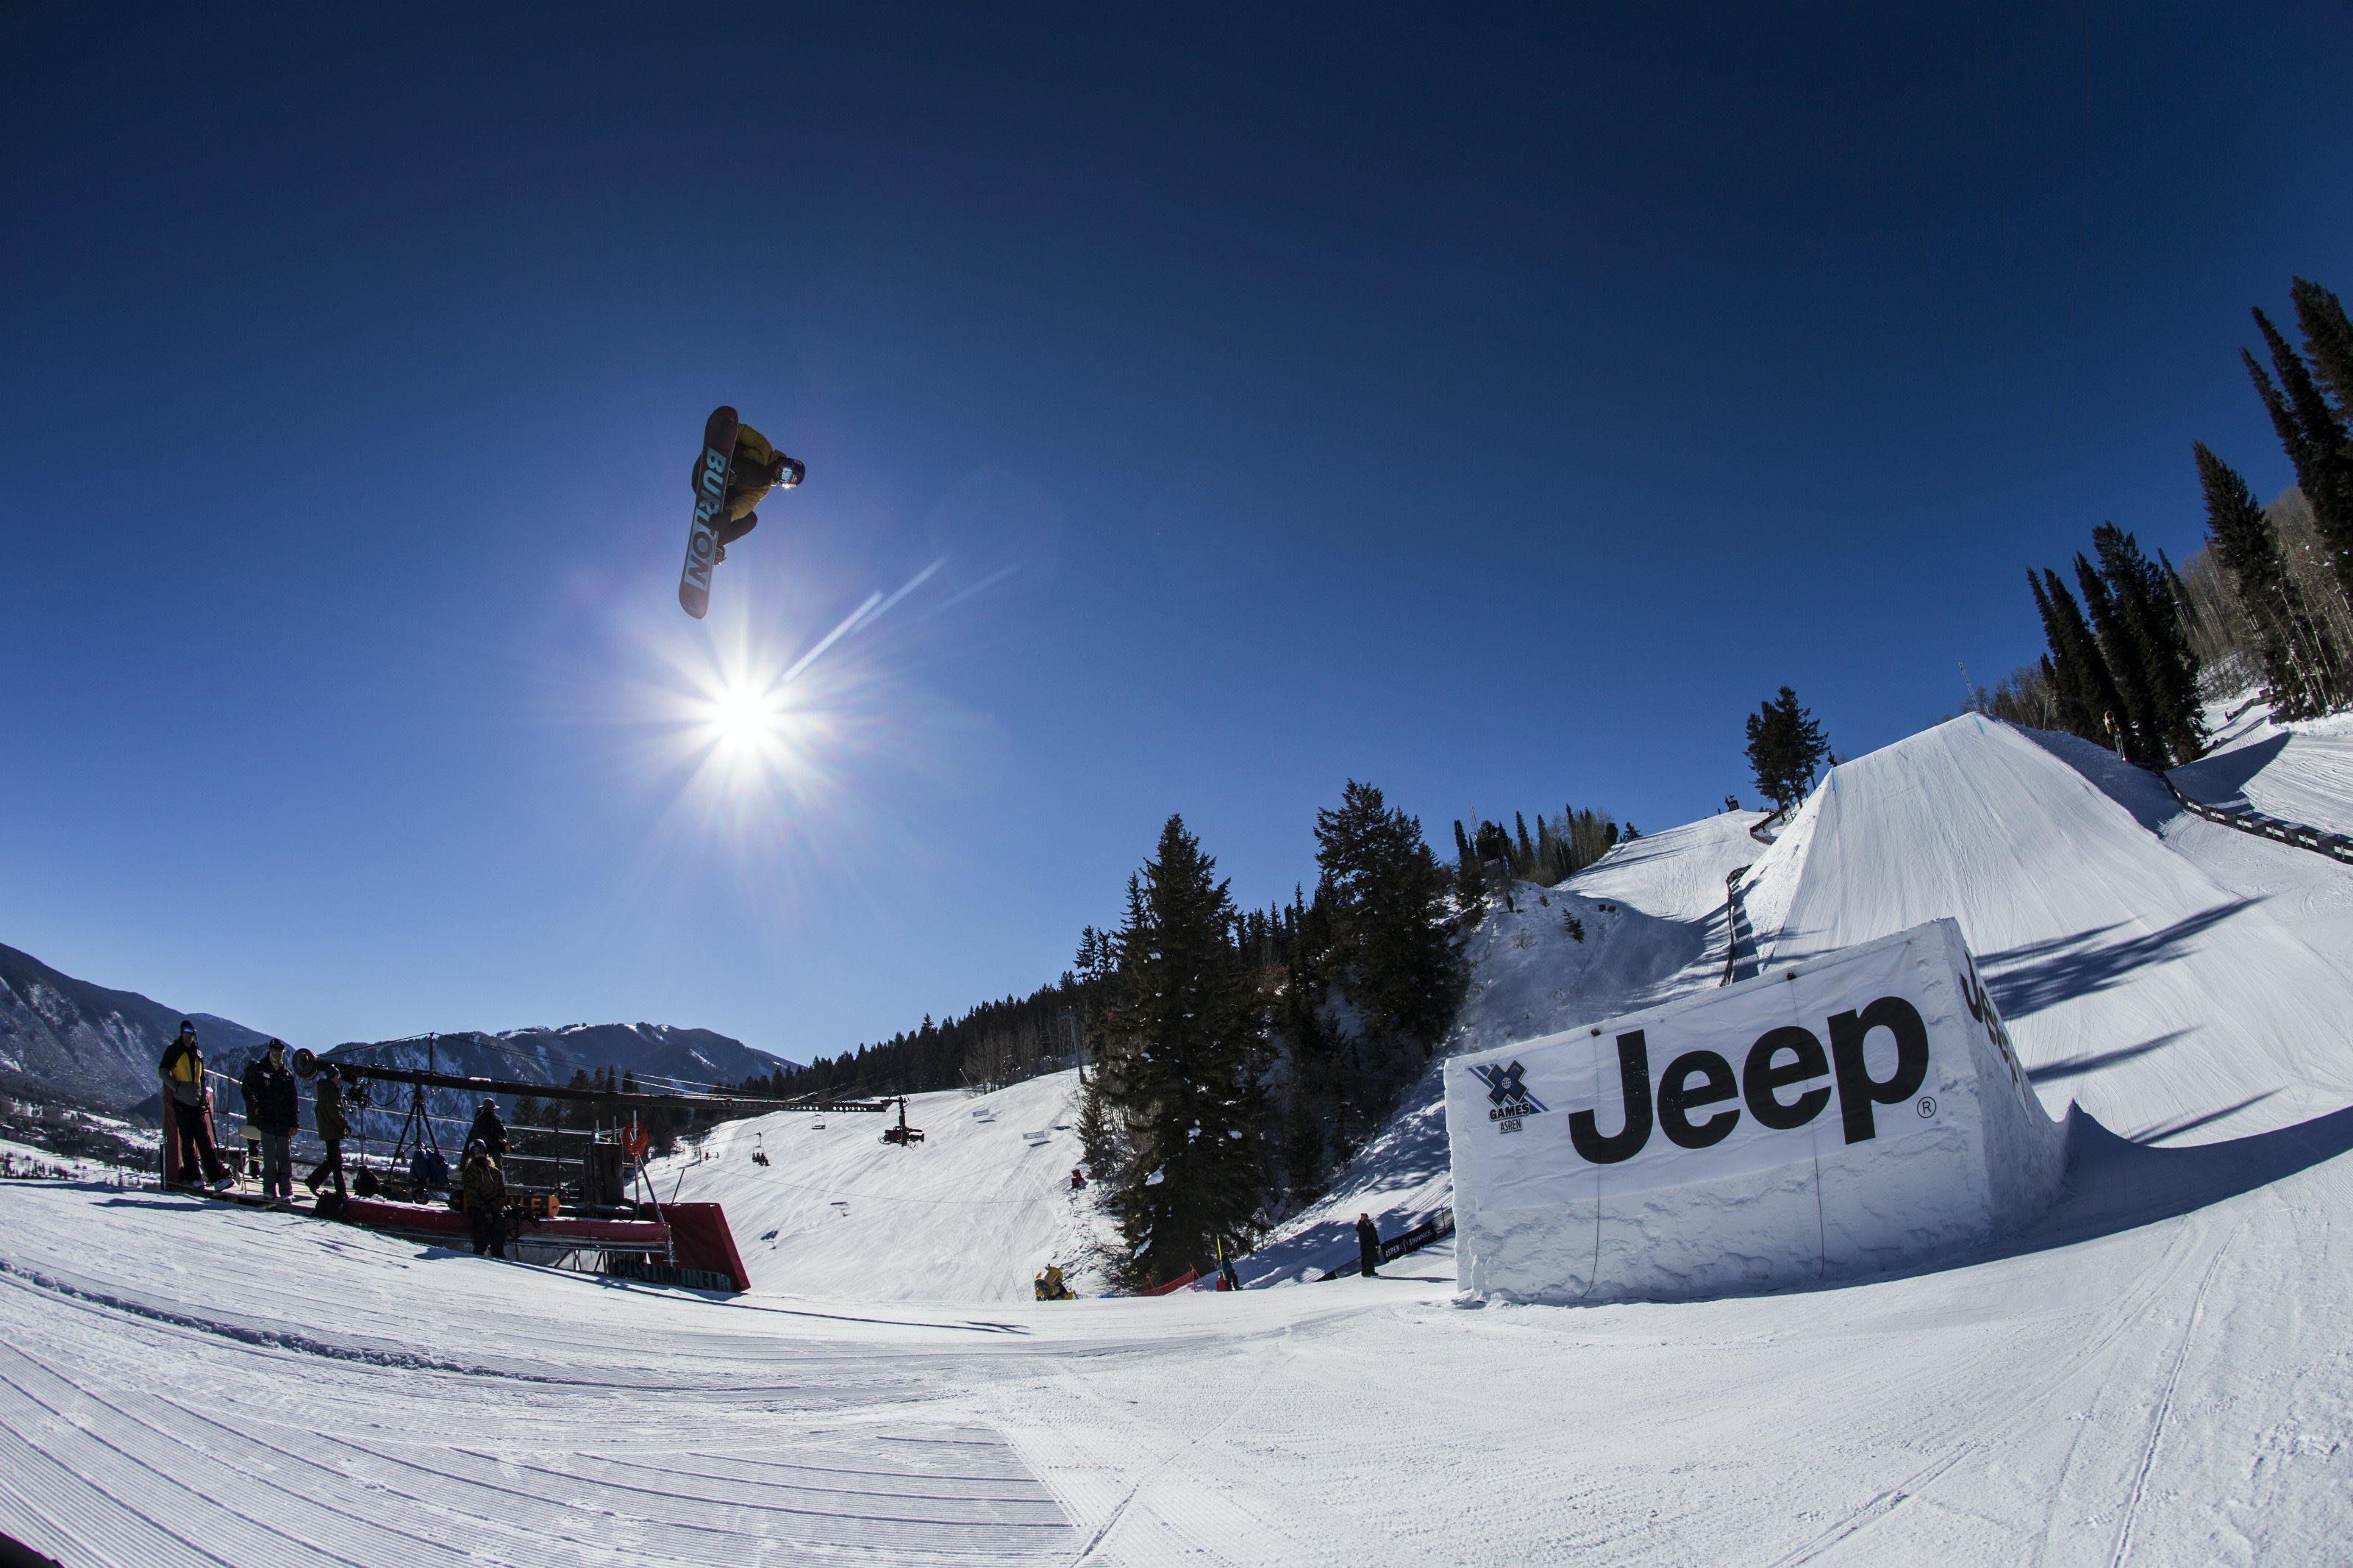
(327, 1114)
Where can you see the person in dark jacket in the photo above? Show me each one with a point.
(489, 1130)
(1368, 1246)
(327, 1115)
(484, 1191)
(182, 1070)
(270, 1108)
(758, 468)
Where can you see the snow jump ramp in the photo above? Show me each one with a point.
(1862, 1111)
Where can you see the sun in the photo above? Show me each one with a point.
(742, 718)
(749, 721)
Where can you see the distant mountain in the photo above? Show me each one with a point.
(62, 1038)
(663, 1058)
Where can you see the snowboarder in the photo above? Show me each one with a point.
(735, 469)
(271, 1108)
(483, 1192)
(1368, 1246)
(327, 1116)
(489, 1130)
(1078, 1180)
(1051, 1286)
(758, 468)
(183, 1071)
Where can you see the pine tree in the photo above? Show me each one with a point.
(2158, 646)
(2317, 446)
(2327, 340)
(1524, 857)
(1393, 951)
(2075, 708)
(2300, 673)
(1784, 749)
(1468, 882)
(2083, 669)
(1184, 1041)
(2135, 714)
(580, 1114)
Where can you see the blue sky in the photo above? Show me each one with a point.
(1494, 409)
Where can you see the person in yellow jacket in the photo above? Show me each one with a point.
(758, 468)
(1051, 1285)
(183, 1071)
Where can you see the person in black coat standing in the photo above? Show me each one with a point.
(489, 1130)
(1368, 1246)
(272, 1106)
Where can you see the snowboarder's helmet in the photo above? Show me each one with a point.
(489, 1105)
(476, 1146)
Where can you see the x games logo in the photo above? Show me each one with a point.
(1508, 1099)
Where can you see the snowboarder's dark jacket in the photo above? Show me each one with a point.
(1368, 1246)
(491, 1130)
(269, 1100)
(482, 1189)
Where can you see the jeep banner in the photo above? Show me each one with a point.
(1847, 1113)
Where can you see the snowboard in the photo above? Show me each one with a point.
(709, 498)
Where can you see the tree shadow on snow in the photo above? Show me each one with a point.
(1411, 1153)
(2025, 980)
(2222, 780)
(2076, 1067)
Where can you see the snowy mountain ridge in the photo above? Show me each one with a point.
(63, 1038)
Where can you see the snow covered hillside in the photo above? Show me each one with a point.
(2133, 982)
(2294, 771)
(2155, 1373)
(971, 1214)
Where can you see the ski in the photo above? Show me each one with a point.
(710, 482)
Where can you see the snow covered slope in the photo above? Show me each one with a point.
(2302, 772)
(2157, 1373)
(971, 1214)
(2134, 983)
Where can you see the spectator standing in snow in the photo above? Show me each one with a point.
(489, 1130)
(483, 1190)
(327, 1115)
(182, 1070)
(1368, 1246)
(270, 1108)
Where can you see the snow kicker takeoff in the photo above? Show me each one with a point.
(737, 468)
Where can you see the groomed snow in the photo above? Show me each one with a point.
(971, 1214)
(2155, 1373)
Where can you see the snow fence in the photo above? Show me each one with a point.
(1858, 1111)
